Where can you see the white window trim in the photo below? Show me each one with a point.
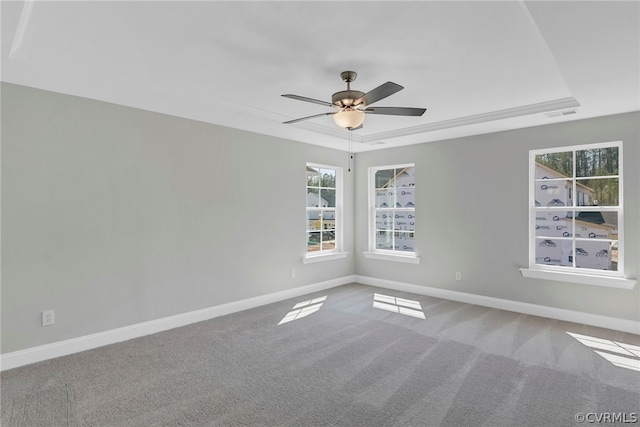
(584, 279)
(310, 259)
(373, 252)
(409, 259)
(613, 279)
(337, 252)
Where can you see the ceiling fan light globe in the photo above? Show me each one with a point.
(349, 118)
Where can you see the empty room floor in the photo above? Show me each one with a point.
(353, 355)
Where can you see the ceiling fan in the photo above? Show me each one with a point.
(352, 105)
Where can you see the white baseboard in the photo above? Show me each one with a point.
(614, 323)
(62, 348)
(88, 342)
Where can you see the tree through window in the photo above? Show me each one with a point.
(576, 204)
(323, 204)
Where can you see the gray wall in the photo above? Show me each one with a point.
(113, 216)
(472, 215)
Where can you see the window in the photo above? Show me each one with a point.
(323, 212)
(392, 191)
(581, 234)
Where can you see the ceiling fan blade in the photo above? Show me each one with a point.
(308, 117)
(304, 98)
(396, 111)
(381, 92)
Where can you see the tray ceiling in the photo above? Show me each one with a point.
(477, 67)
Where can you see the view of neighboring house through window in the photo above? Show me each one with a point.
(323, 205)
(576, 200)
(393, 209)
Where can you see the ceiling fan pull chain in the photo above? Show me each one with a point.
(350, 150)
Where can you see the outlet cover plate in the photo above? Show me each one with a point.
(48, 318)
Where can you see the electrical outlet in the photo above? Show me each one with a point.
(48, 318)
(293, 272)
(458, 275)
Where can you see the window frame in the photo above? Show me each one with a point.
(573, 273)
(373, 251)
(337, 252)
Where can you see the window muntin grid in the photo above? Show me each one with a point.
(393, 209)
(323, 208)
(576, 209)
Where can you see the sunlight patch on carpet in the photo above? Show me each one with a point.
(303, 309)
(619, 354)
(404, 306)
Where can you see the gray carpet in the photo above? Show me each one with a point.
(346, 364)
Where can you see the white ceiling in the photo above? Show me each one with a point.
(476, 66)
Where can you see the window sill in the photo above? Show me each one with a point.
(585, 279)
(411, 259)
(310, 259)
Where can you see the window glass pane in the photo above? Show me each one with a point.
(329, 220)
(597, 225)
(384, 220)
(314, 220)
(597, 162)
(614, 256)
(405, 177)
(384, 240)
(327, 178)
(598, 192)
(596, 255)
(401, 221)
(385, 198)
(328, 240)
(589, 232)
(554, 165)
(328, 198)
(313, 198)
(553, 252)
(313, 241)
(406, 197)
(583, 194)
(553, 193)
(313, 177)
(553, 224)
(411, 217)
(384, 178)
(404, 242)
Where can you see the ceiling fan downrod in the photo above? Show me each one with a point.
(346, 98)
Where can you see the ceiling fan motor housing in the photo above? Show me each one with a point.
(346, 98)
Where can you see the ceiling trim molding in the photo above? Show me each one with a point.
(525, 110)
